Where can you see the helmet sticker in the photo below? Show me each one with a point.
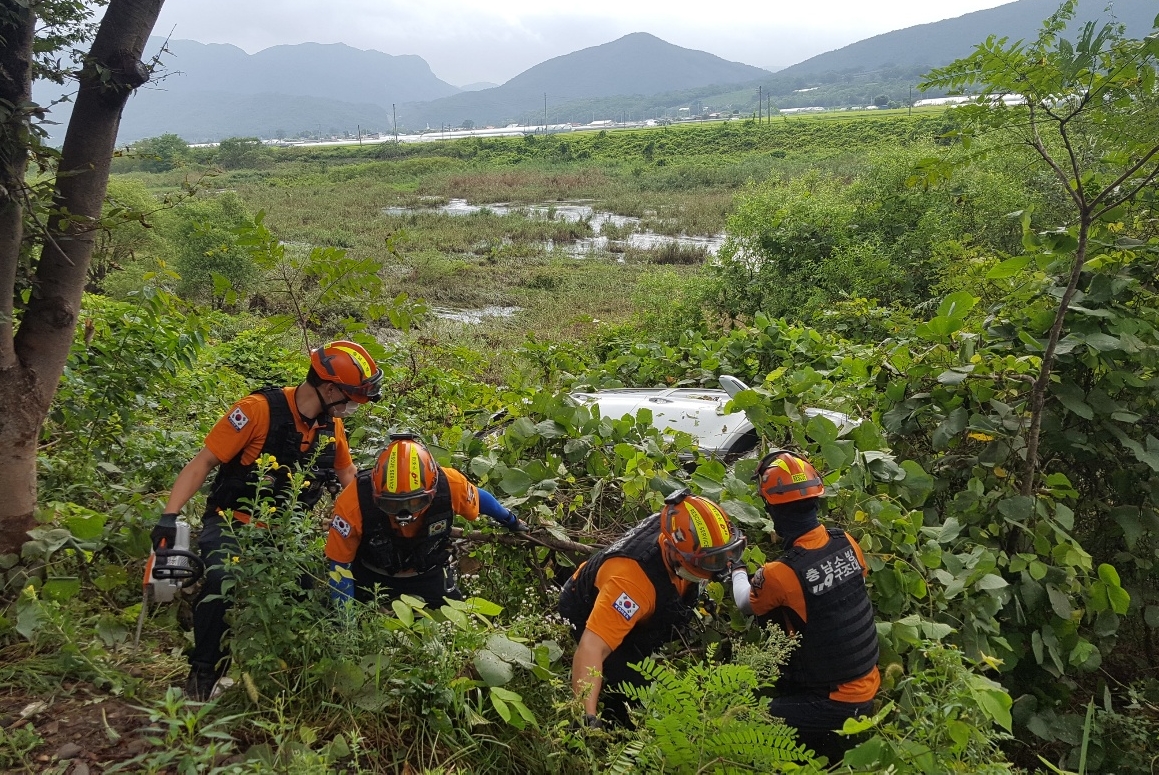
(626, 606)
(703, 536)
(415, 482)
(340, 526)
(359, 361)
(238, 418)
(801, 477)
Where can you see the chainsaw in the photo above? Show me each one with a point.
(167, 571)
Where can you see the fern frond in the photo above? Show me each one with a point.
(625, 763)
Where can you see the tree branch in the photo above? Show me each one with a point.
(111, 72)
(17, 32)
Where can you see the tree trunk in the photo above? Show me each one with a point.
(41, 344)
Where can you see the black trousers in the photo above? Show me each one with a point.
(217, 545)
(434, 587)
(815, 717)
(639, 643)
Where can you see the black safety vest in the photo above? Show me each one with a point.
(386, 550)
(236, 482)
(838, 638)
(641, 544)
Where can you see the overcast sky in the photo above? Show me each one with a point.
(466, 41)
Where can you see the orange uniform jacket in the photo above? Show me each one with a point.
(346, 528)
(626, 599)
(776, 585)
(243, 429)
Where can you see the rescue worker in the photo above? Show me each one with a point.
(816, 588)
(393, 528)
(634, 596)
(298, 426)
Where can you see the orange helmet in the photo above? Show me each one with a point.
(350, 367)
(695, 535)
(404, 478)
(783, 477)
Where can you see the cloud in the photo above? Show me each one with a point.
(467, 40)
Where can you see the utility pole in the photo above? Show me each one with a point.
(358, 129)
(760, 101)
(545, 112)
(394, 120)
(910, 103)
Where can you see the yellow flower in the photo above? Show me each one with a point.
(993, 662)
(978, 436)
(235, 559)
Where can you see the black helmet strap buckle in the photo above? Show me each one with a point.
(678, 496)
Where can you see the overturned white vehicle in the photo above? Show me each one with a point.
(698, 412)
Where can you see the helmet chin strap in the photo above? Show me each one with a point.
(326, 407)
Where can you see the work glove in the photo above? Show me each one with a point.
(518, 526)
(165, 530)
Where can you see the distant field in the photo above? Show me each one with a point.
(672, 181)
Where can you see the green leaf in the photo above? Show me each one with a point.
(403, 611)
(484, 607)
(1059, 602)
(1008, 268)
(822, 430)
(1017, 509)
(501, 707)
(492, 668)
(956, 305)
(959, 732)
(950, 427)
(1103, 342)
(1151, 616)
(515, 481)
(456, 616)
(1071, 396)
(744, 512)
(509, 650)
(1108, 574)
(86, 526)
(993, 701)
(61, 588)
(29, 619)
(1120, 599)
(990, 581)
(916, 486)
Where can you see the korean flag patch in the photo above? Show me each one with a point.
(238, 418)
(340, 526)
(626, 606)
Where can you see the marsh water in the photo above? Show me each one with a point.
(628, 233)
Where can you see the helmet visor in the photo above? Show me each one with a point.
(411, 503)
(369, 390)
(718, 559)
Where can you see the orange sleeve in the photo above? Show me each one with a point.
(464, 495)
(243, 429)
(342, 457)
(626, 598)
(775, 585)
(345, 528)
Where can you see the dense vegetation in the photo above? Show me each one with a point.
(922, 273)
